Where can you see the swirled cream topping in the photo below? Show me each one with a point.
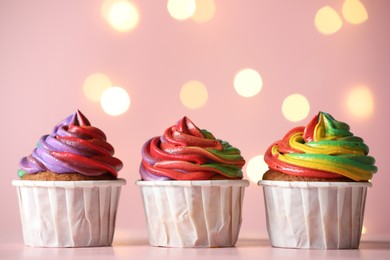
(325, 148)
(74, 146)
(185, 152)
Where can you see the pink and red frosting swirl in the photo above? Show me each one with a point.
(185, 152)
(74, 146)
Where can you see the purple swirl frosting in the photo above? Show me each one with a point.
(74, 146)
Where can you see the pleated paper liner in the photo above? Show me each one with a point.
(68, 213)
(315, 215)
(193, 213)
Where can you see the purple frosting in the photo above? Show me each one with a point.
(73, 146)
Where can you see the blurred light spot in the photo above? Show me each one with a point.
(360, 102)
(354, 12)
(364, 229)
(205, 11)
(94, 86)
(181, 9)
(115, 101)
(122, 15)
(327, 21)
(255, 168)
(193, 94)
(248, 82)
(295, 107)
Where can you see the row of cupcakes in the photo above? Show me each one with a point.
(193, 189)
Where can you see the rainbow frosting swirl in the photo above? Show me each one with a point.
(185, 152)
(74, 146)
(325, 148)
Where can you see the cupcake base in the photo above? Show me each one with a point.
(193, 213)
(68, 213)
(314, 215)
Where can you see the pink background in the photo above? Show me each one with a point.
(48, 48)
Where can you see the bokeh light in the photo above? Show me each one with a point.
(115, 101)
(94, 86)
(255, 168)
(122, 15)
(181, 9)
(354, 12)
(327, 21)
(364, 230)
(205, 11)
(248, 82)
(360, 102)
(295, 107)
(193, 94)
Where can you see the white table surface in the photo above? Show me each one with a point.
(245, 249)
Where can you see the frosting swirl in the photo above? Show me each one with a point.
(325, 148)
(74, 146)
(185, 152)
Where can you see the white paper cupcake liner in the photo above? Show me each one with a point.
(193, 213)
(317, 215)
(68, 213)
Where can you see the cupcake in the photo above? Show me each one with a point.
(316, 186)
(192, 188)
(68, 189)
